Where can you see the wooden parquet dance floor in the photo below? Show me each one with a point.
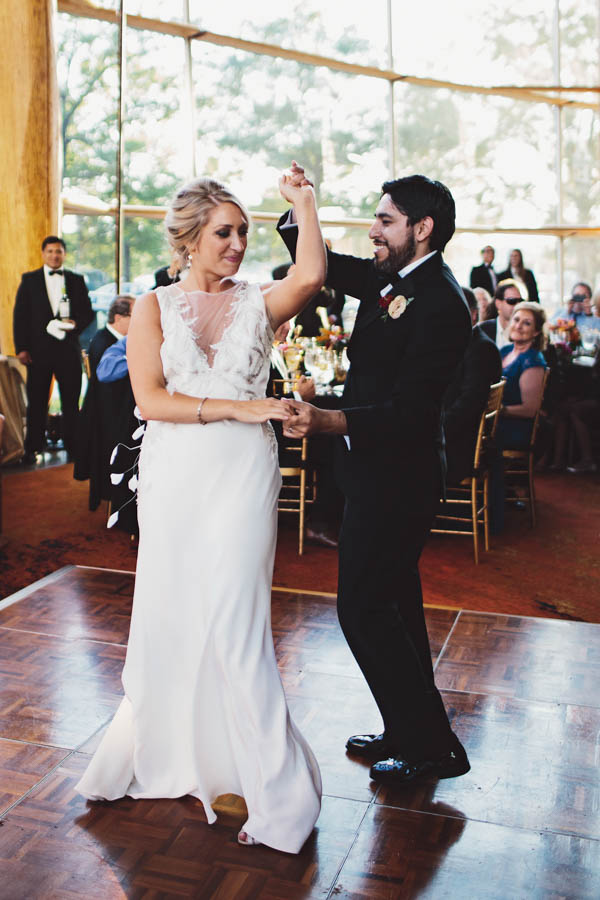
(523, 694)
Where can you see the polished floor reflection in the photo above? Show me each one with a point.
(524, 823)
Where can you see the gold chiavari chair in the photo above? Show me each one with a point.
(473, 491)
(85, 362)
(519, 463)
(298, 486)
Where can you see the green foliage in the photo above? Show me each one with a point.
(88, 87)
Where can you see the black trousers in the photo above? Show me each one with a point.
(380, 608)
(66, 367)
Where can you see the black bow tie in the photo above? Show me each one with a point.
(56, 272)
(401, 286)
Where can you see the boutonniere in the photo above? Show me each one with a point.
(394, 306)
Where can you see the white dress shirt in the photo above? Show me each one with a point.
(502, 334)
(55, 286)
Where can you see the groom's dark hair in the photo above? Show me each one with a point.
(416, 197)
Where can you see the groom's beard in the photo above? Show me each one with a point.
(398, 257)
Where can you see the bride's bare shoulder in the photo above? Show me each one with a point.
(146, 309)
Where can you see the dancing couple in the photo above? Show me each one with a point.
(204, 711)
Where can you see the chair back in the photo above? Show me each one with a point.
(489, 420)
(282, 387)
(85, 361)
(536, 418)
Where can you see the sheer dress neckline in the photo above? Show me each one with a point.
(209, 320)
(229, 290)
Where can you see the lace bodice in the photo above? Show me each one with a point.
(215, 345)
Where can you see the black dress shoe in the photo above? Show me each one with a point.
(400, 771)
(371, 746)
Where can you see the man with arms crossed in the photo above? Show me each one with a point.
(403, 354)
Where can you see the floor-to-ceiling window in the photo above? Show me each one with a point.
(464, 92)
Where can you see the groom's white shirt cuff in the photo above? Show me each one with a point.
(290, 222)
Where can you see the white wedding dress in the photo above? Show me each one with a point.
(204, 711)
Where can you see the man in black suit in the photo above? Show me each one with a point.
(506, 297)
(52, 308)
(466, 398)
(484, 275)
(106, 412)
(163, 277)
(403, 353)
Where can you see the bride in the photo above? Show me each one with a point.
(204, 711)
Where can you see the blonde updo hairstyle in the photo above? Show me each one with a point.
(539, 317)
(189, 212)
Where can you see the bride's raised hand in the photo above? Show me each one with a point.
(255, 411)
(294, 186)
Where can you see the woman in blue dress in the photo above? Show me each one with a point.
(523, 368)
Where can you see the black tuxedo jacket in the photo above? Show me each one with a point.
(489, 328)
(465, 400)
(33, 312)
(480, 277)
(400, 370)
(529, 281)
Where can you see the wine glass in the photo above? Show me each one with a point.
(293, 357)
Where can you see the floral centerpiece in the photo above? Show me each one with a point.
(565, 336)
(333, 338)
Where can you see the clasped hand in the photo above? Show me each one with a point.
(298, 419)
(294, 186)
(302, 419)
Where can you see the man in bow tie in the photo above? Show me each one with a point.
(484, 275)
(51, 309)
(412, 329)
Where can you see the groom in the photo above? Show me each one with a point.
(411, 332)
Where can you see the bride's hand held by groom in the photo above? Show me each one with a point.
(305, 419)
(253, 412)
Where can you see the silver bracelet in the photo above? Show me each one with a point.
(199, 412)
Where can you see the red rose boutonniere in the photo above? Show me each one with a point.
(394, 307)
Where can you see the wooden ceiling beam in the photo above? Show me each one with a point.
(158, 212)
(529, 94)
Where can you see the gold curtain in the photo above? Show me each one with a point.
(29, 145)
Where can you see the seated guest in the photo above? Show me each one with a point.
(484, 303)
(309, 318)
(524, 277)
(163, 277)
(484, 275)
(506, 297)
(572, 422)
(578, 307)
(324, 515)
(113, 369)
(585, 414)
(523, 367)
(467, 395)
(591, 317)
(104, 407)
